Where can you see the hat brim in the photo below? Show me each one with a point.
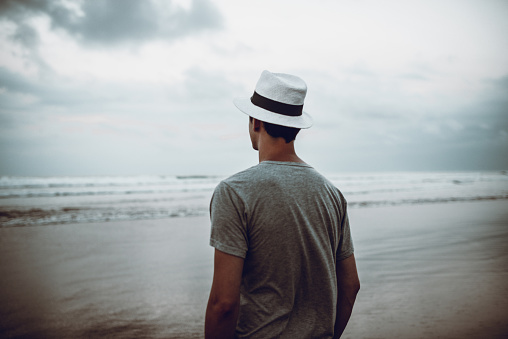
(247, 107)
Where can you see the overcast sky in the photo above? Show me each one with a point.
(137, 87)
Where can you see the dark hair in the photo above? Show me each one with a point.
(276, 131)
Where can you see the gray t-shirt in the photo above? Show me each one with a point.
(290, 225)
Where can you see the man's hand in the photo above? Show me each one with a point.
(223, 304)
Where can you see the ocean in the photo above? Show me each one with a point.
(129, 256)
(39, 201)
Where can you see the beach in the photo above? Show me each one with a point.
(436, 270)
(432, 271)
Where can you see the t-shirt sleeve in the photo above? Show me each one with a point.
(345, 248)
(228, 222)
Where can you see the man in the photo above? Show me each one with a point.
(284, 265)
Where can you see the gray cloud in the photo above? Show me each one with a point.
(26, 35)
(14, 82)
(379, 125)
(114, 21)
(500, 83)
(52, 91)
(413, 76)
(197, 112)
(72, 126)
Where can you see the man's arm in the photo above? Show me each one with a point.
(348, 286)
(224, 302)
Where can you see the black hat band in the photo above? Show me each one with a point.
(276, 106)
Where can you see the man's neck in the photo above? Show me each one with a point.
(278, 150)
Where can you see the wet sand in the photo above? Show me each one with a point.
(432, 271)
(427, 271)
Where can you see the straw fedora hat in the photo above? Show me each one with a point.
(277, 99)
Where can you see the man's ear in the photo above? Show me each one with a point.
(257, 124)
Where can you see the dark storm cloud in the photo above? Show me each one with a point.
(114, 21)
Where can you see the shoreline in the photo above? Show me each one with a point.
(28, 216)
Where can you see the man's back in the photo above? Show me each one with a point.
(284, 263)
(290, 225)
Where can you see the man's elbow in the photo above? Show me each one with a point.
(355, 287)
(350, 288)
(224, 307)
(348, 282)
(220, 318)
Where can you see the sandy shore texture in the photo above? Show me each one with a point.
(427, 271)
